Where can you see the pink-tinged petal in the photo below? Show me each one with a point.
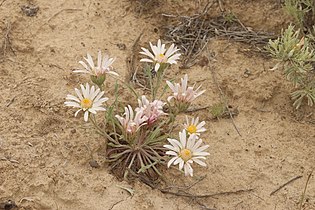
(84, 65)
(196, 121)
(184, 83)
(169, 51)
(173, 59)
(113, 73)
(82, 71)
(99, 59)
(90, 60)
(170, 85)
(147, 53)
(154, 49)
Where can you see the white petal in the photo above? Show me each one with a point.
(77, 112)
(200, 149)
(181, 164)
(146, 60)
(86, 116)
(72, 103)
(71, 97)
(92, 110)
(199, 162)
(188, 170)
(169, 147)
(157, 66)
(99, 59)
(171, 161)
(90, 60)
(201, 153)
(171, 153)
(77, 91)
(182, 138)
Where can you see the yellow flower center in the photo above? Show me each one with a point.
(86, 103)
(192, 129)
(161, 58)
(185, 154)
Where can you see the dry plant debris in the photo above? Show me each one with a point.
(6, 43)
(192, 33)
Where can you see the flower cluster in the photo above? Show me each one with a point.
(136, 138)
(146, 114)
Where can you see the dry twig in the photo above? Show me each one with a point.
(285, 184)
(189, 195)
(304, 191)
(222, 95)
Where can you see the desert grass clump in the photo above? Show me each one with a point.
(136, 135)
(296, 54)
(303, 12)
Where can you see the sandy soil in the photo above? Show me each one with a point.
(45, 151)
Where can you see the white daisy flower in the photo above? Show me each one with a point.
(186, 151)
(160, 55)
(193, 127)
(90, 100)
(131, 122)
(104, 65)
(183, 93)
(151, 110)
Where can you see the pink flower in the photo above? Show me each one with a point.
(131, 122)
(183, 93)
(150, 110)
